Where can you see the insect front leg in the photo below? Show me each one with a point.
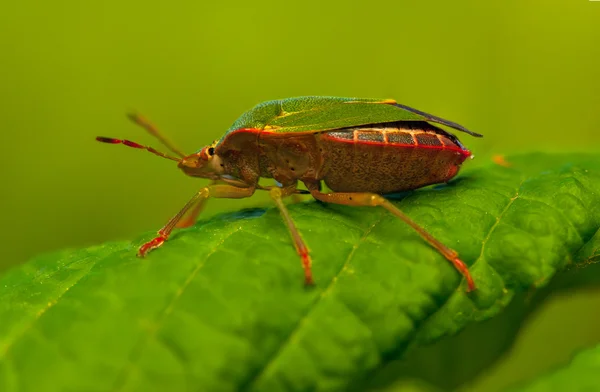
(217, 191)
(373, 200)
(191, 215)
(277, 194)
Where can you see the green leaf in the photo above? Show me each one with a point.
(221, 307)
(580, 375)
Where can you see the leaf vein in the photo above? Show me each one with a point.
(498, 219)
(137, 351)
(7, 346)
(302, 321)
(560, 213)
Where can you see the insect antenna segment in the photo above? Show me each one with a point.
(131, 144)
(152, 130)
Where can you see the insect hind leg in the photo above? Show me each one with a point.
(367, 199)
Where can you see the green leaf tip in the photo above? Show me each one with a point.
(222, 307)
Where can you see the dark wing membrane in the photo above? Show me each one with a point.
(438, 120)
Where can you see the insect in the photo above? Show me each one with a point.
(361, 148)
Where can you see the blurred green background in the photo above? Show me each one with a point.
(526, 74)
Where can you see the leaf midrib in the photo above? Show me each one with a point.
(264, 370)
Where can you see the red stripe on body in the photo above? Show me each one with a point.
(465, 153)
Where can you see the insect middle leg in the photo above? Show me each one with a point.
(277, 194)
(216, 191)
(373, 200)
(190, 217)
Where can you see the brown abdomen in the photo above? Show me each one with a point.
(387, 158)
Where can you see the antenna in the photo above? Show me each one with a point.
(129, 143)
(142, 122)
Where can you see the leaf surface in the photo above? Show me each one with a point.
(221, 307)
(579, 375)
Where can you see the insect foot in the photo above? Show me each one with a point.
(306, 262)
(150, 245)
(464, 270)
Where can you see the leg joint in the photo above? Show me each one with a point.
(205, 192)
(376, 200)
(275, 193)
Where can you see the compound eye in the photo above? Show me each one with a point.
(211, 151)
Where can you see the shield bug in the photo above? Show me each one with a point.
(361, 148)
